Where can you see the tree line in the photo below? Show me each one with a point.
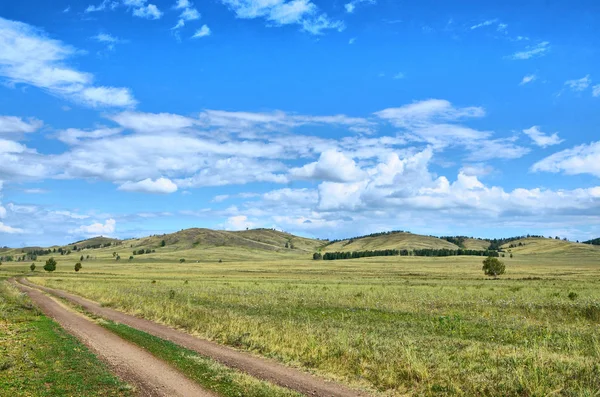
(329, 256)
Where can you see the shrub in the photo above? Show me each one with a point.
(78, 266)
(493, 267)
(32, 267)
(181, 260)
(131, 257)
(171, 294)
(572, 295)
(317, 256)
(50, 265)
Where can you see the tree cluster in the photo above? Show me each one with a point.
(395, 252)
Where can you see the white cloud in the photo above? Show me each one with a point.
(583, 159)
(106, 38)
(537, 50)
(204, 31)
(96, 229)
(12, 124)
(189, 13)
(399, 76)
(579, 85)
(161, 185)
(541, 139)
(485, 23)
(152, 122)
(181, 4)
(426, 112)
(73, 136)
(352, 40)
(27, 56)
(351, 6)
(284, 12)
(107, 97)
(596, 90)
(149, 11)
(332, 166)
(238, 222)
(139, 8)
(10, 230)
(528, 79)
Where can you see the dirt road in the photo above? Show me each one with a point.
(151, 376)
(258, 367)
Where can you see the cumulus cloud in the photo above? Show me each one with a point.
(96, 229)
(161, 185)
(332, 166)
(541, 139)
(582, 159)
(28, 56)
(596, 90)
(204, 31)
(283, 12)
(534, 51)
(9, 229)
(12, 124)
(238, 222)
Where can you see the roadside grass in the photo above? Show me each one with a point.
(38, 358)
(207, 372)
(419, 326)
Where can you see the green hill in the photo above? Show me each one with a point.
(396, 240)
(541, 245)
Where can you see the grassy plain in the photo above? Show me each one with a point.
(38, 358)
(394, 325)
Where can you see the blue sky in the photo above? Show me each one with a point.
(325, 119)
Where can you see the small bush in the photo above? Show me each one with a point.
(153, 282)
(172, 294)
(181, 260)
(50, 265)
(572, 295)
(78, 266)
(32, 267)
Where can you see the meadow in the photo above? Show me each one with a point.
(390, 325)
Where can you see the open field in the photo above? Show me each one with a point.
(38, 358)
(393, 325)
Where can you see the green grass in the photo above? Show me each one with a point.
(38, 358)
(398, 325)
(208, 373)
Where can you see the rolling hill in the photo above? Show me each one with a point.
(395, 240)
(541, 245)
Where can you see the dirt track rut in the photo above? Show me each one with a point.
(151, 376)
(258, 367)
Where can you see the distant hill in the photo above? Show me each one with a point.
(95, 242)
(541, 245)
(395, 240)
(255, 239)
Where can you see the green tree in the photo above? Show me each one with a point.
(163, 243)
(81, 259)
(78, 266)
(131, 257)
(32, 267)
(50, 265)
(181, 260)
(317, 256)
(493, 266)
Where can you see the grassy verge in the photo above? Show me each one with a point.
(208, 373)
(38, 358)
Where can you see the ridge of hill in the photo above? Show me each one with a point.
(392, 240)
(542, 245)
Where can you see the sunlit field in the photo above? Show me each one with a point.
(392, 325)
